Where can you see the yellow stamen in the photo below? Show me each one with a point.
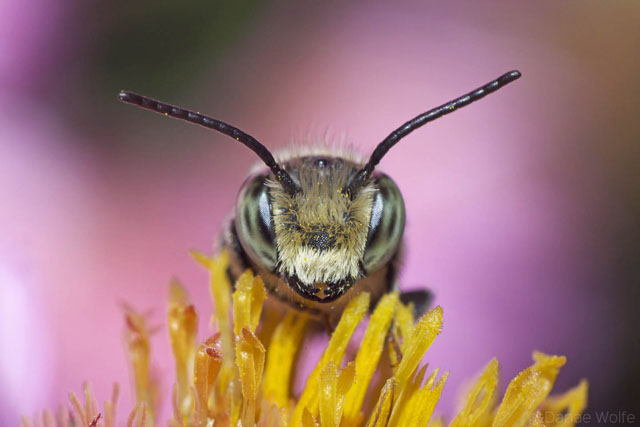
(231, 386)
(308, 420)
(418, 410)
(403, 324)
(350, 319)
(565, 409)
(536, 420)
(382, 411)
(250, 362)
(82, 417)
(369, 355)
(183, 325)
(208, 361)
(137, 337)
(426, 330)
(220, 288)
(333, 385)
(527, 390)
(480, 400)
(247, 302)
(284, 345)
(401, 330)
(110, 407)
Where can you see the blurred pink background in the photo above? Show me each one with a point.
(522, 209)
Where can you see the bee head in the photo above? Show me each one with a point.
(320, 223)
(320, 239)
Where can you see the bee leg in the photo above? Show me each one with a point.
(420, 298)
(327, 324)
(231, 278)
(239, 261)
(395, 347)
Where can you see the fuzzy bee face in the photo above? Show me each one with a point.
(320, 239)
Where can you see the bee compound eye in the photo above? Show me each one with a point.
(386, 224)
(254, 222)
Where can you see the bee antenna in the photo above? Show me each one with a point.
(190, 116)
(424, 118)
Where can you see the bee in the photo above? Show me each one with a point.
(319, 225)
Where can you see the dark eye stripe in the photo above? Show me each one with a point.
(390, 226)
(257, 214)
(386, 225)
(257, 189)
(256, 231)
(376, 217)
(264, 218)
